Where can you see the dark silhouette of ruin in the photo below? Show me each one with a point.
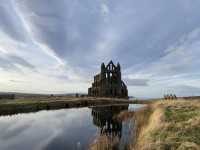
(104, 118)
(108, 82)
(113, 132)
(170, 97)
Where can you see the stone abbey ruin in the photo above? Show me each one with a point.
(108, 82)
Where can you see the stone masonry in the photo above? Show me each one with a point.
(108, 82)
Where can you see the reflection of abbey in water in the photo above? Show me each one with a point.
(108, 82)
(103, 117)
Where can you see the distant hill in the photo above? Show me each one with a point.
(39, 95)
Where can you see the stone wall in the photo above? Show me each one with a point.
(108, 82)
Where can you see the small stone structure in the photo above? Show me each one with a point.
(170, 97)
(108, 82)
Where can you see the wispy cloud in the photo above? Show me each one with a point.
(63, 43)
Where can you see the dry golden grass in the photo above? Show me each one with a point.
(171, 125)
(105, 142)
(140, 119)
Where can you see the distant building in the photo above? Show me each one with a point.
(108, 82)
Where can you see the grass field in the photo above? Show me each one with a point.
(22, 105)
(170, 125)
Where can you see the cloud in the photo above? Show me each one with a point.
(14, 63)
(105, 10)
(66, 41)
(136, 82)
(21, 61)
(184, 90)
(181, 58)
(10, 22)
(17, 81)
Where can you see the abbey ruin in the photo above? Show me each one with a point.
(108, 82)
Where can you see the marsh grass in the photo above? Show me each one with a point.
(172, 125)
(104, 142)
(140, 119)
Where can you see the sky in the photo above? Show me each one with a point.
(57, 46)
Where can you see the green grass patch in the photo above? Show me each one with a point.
(175, 131)
(191, 135)
(160, 135)
(179, 115)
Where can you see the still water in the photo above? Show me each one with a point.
(66, 129)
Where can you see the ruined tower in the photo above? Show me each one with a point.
(108, 82)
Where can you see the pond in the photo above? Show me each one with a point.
(66, 129)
